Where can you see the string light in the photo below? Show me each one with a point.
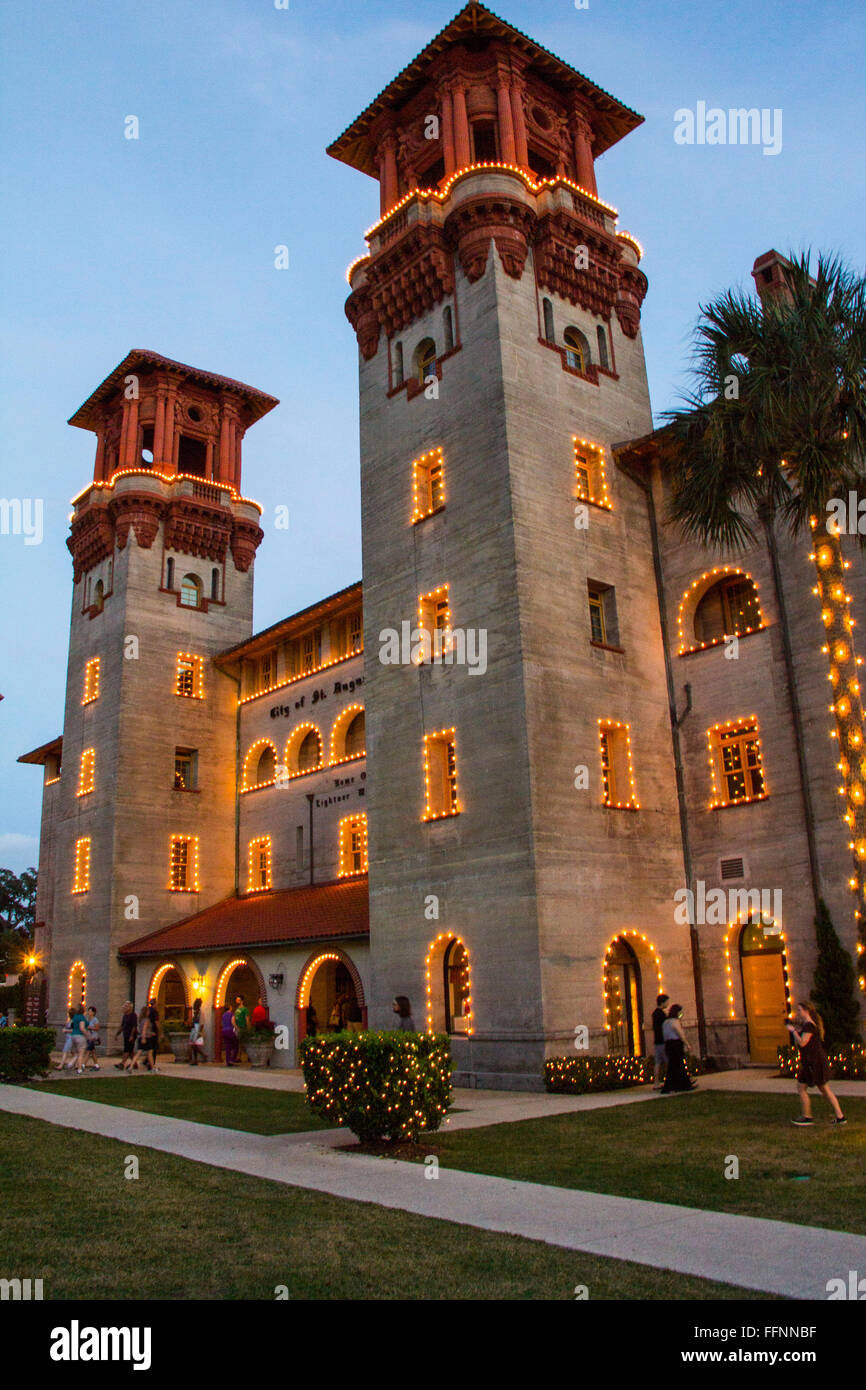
(589, 472)
(441, 746)
(258, 748)
(108, 486)
(189, 680)
(259, 865)
(340, 727)
(688, 605)
(431, 607)
(158, 976)
(615, 737)
(225, 975)
(81, 879)
(632, 241)
(353, 846)
(740, 921)
(86, 772)
(745, 730)
(183, 864)
(307, 977)
(466, 987)
(91, 681)
(293, 680)
(606, 972)
(428, 484)
(77, 968)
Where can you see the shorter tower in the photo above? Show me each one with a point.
(142, 825)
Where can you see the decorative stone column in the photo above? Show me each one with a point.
(521, 147)
(159, 428)
(129, 439)
(388, 181)
(507, 146)
(582, 131)
(448, 130)
(462, 151)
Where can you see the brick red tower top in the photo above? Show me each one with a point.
(498, 97)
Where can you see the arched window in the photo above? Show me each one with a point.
(547, 309)
(457, 988)
(190, 591)
(356, 736)
(215, 583)
(448, 323)
(266, 766)
(425, 359)
(397, 364)
(99, 596)
(623, 1000)
(730, 606)
(260, 765)
(601, 335)
(577, 352)
(169, 573)
(310, 752)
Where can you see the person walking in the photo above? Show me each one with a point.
(335, 1019)
(78, 1026)
(67, 1039)
(92, 1041)
(676, 1078)
(142, 1053)
(659, 1055)
(312, 1022)
(403, 1010)
(229, 1032)
(153, 1035)
(196, 1036)
(807, 1031)
(128, 1031)
(354, 1017)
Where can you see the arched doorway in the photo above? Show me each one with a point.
(448, 976)
(168, 988)
(329, 980)
(762, 968)
(623, 1000)
(237, 977)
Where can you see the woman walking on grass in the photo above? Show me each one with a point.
(807, 1030)
(676, 1076)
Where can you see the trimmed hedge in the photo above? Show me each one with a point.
(25, 1052)
(846, 1063)
(574, 1076)
(380, 1085)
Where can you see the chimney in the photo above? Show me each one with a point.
(770, 273)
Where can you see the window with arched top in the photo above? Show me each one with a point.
(310, 752)
(356, 736)
(260, 766)
(577, 353)
(99, 596)
(601, 337)
(190, 591)
(448, 325)
(266, 767)
(547, 311)
(425, 359)
(214, 583)
(731, 606)
(169, 573)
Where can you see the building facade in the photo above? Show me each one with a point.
(575, 718)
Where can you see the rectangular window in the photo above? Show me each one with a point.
(434, 621)
(86, 771)
(736, 763)
(186, 769)
(189, 677)
(311, 649)
(590, 476)
(81, 878)
(91, 681)
(596, 616)
(740, 606)
(259, 880)
(603, 621)
(353, 846)
(617, 769)
(355, 625)
(183, 864)
(428, 484)
(299, 847)
(440, 775)
(267, 670)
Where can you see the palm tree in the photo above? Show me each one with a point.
(772, 430)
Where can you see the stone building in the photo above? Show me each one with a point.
(560, 739)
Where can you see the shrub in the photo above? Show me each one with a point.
(25, 1052)
(380, 1085)
(261, 1033)
(846, 1063)
(834, 985)
(575, 1076)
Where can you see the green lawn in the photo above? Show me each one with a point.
(183, 1230)
(674, 1150)
(250, 1108)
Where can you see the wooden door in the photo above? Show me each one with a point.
(766, 1007)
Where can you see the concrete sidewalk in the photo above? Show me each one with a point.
(767, 1256)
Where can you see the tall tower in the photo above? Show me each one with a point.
(524, 841)
(141, 823)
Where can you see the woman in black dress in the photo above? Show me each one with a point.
(807, 1030)
(676, 1076)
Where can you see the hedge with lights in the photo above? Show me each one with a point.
(574, 1076)
(25, 1052)
(846, 1064)
(393, 1086)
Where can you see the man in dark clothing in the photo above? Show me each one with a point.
(129, 1029)
(659, 1054)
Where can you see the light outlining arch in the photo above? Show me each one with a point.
(692, 597)
(251, 760)
(311, 965)
(742, 920)
(338, 735)
(158, 975)
(225, 975)
(77, 968)
(293, 746)
(648, 945)
(445, 939)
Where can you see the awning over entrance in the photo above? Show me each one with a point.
(323, 912)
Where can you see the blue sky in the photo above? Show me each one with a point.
(168, 242)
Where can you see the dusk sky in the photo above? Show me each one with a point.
(167, 242)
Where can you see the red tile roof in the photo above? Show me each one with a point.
(324, 911)
(88, 417)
